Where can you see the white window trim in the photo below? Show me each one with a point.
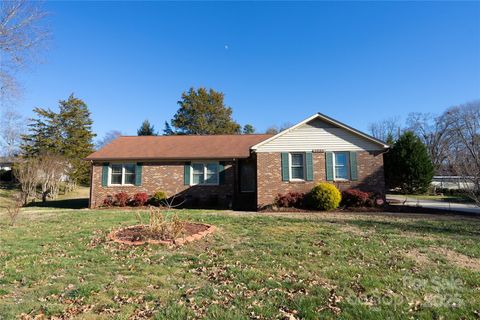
(123, 175)
(290, 166)
(204, 173)
(347, 165)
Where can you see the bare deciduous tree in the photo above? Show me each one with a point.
(13, 208)
(276, 129)
(52, 170)
(12, 126)
(386, 128)
(109, 137)
(27, 172)
(22, 34)
(464, 154)
(434, 131)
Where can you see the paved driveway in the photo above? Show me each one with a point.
(435, 204)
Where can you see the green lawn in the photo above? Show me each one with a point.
(6, 191)
(256, 266)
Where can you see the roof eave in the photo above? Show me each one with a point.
(166, 158)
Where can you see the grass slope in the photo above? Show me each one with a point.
(257, 266)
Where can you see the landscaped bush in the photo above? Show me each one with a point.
(290, 199)
(324, 196)
(108, 201)
(139, 199)
(121, 199)
(355, 198)
(158, 198)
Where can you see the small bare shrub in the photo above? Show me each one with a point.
(13, 208)
(177, 227)
(166, 227)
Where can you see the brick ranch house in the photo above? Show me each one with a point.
(242, 172)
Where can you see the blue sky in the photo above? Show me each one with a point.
(357, 62)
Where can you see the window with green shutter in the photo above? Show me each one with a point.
(285, 166)
(309, 166)
(138, 174)
(329, 165)
(105, 174)
(186, 173)
(353, 166)
(221, 172)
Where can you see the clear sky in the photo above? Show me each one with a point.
(281, 62)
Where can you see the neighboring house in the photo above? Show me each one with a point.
(6, 163)
(452, 182)
(239, 171)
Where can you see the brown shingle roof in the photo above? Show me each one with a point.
(178, 147)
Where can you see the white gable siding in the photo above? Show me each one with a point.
(315, 135)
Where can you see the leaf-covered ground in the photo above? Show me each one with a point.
(56, 263)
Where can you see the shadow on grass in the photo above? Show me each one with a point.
(80, 203)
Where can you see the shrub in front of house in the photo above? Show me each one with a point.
(108, 201)
(140, 199)
(158, 198)
(121, 199)
(290, 200)
(324, 196)
(355, 198)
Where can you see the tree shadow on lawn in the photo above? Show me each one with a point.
(78, 203)
(462, 228)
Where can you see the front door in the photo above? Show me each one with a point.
(245, 198)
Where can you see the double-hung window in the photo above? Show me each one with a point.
(297, 166)
(122, 174)
(341, 165)
(205, 173)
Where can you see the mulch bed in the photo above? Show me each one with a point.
(141, 234)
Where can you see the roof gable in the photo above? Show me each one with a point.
(320, 132)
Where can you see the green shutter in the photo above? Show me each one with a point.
(353, 166)
(309, 166)
(221, 172)
(186, 174)
(329, 165)
(285, 167)
(105, 174)
(138, 174)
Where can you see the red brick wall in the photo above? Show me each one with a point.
(167, 177)
(269, 175)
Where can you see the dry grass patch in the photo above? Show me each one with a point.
(457, 258)
(423, 259)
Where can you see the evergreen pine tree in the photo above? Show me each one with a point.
(77, 137)
(146, 129)
(248, 129)
(167, 130)
(203, 111)
(408, 165)
(67, 133)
